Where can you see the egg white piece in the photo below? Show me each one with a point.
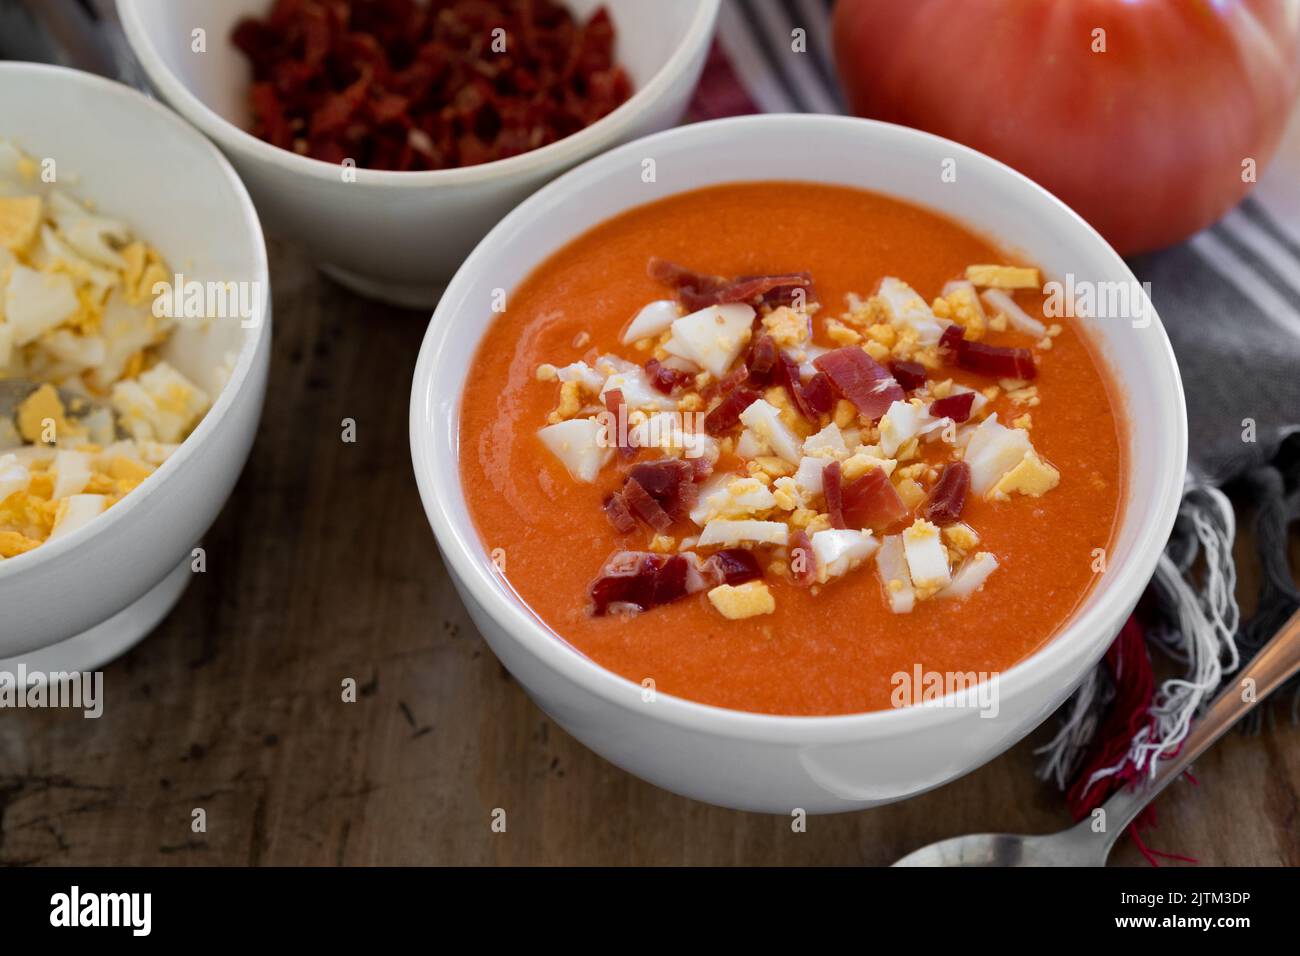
(809, 475)
(901, 422)
(891, 564)
(827, 442)
(1020, 320)
(637, 391)
(727, 533)
(654, 319)
(713, 337)
(732, 496)
(840, 551)
(35, 302)
(970, 577)
(906, 308)
(764, 420)
(84, 351)
(992, 451)
(577, 444)
(750, 445)
(73, 470)
(927, 562)
(14, 476)
(76, 512)
(582, 373)
(161, 404)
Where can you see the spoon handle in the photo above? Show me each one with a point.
(1278, 660)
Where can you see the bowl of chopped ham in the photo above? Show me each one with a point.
(134, 347)
(387, 138)
(810, 477)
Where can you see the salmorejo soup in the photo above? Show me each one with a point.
(770, 445)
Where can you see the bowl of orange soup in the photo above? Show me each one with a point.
(797, 462)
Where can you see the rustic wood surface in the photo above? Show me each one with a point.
(323, 567)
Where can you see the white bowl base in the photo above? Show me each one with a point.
(92, 649)
(412, 296)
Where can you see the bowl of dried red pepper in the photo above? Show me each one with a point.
(388, 136)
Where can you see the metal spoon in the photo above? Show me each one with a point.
(1080, 845)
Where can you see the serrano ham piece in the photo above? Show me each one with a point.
(762, 359)
(727, 414)
(996, 361)
(993, 360)
(633, 581)
(948, 496)
(787, 375)
(697, 291)
(871, 501)
(956, 406)
(619, 515)
(803, 563)
(952, 339)
(819, 395)
(645, 507)
(861, 379)
(670, 482)
(665, 379)
(910, 375)
(833, 490)
(735, 565)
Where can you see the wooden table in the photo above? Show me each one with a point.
(322, 567)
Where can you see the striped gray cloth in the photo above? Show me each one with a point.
(1230, 300)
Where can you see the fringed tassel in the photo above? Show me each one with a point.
(1084, 711)
(1109, 765)
(1194, 584)
(1117, 718)
(1201, 620)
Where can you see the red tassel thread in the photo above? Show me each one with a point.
(1130, 711)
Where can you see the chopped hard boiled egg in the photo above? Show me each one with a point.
(653, 320)
(797, 453)
(736, 602)
(992, 451)
(906, 309)
(36, 302)
(927, 560)
(75, 512)
(970, 577)
(578, 445)
(764, 420)
(1002, 277)
(713, 337)
(891, 564)
(726, 533)
(840, 551)
(76, 319)
(160, 405)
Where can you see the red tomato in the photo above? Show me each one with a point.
(1146, 116)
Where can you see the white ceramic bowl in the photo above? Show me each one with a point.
(87, 596)
(763, 762)
(398, 236)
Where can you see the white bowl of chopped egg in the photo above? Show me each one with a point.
(134, 347)
(764, 761)
(390, 235)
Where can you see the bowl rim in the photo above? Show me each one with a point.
(32, 561)
(571, 148)
(461, 546)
